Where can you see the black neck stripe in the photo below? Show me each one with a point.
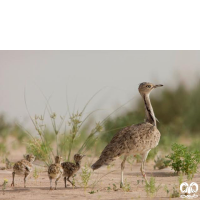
(149, 111)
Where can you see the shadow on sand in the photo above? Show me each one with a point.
(154, 174)
(19, 189)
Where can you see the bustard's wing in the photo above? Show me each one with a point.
(136, 138)
(54, 169)
(69, 168)
(27, 165)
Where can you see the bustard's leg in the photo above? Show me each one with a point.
(57, 182)
(26, 174)
(65, 180)
(70, 182)
(122, 171)
(144, 157)
(13, 181)
(50, 183)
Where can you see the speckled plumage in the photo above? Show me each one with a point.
(23, 167)
(135, 139)
(55, 171)
(69, 169)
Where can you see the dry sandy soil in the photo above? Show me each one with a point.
(39, 189)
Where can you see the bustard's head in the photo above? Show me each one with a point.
(30, 157)
(146, 88)
(78, 157)
(58, 159)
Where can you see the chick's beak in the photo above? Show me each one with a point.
(159, 85)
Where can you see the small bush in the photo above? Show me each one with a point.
(161, 163)
(85, 176)
(40, 150)
(35, 173)
(166, 190)
(151, 188)
(4, 185)
(126, 187)
(175, 193)
(183, 160)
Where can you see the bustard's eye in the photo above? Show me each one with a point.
(148, 86)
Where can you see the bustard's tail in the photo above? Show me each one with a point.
(113, 150)
(102, 161)
(96, 165)
(99, 163)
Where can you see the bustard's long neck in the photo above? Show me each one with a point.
(150, 117)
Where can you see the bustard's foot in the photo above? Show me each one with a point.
(73, 184)
(12, 185)
(145, 178)
(121, 185)
(51, 188)
(144, 175)
(55, 188)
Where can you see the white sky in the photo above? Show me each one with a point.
(84, 73)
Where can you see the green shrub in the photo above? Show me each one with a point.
(126, 187)
(40, 150)
(183, 160)
(151, 188)
(161, 163)
(85, 176)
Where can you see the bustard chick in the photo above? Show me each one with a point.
(55, 171)
(23, 168)
(135, 139)
(69, 169)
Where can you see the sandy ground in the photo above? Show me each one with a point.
(39, 188)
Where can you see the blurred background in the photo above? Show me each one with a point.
(58, 85)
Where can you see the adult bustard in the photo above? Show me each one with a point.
(135, 139)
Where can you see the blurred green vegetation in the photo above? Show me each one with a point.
(10, 129)
(177, 110)
(13, 132)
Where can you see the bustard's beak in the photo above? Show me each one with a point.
(155, 86)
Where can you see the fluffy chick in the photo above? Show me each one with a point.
(23, 168)
(69, 169)
(55, 171)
